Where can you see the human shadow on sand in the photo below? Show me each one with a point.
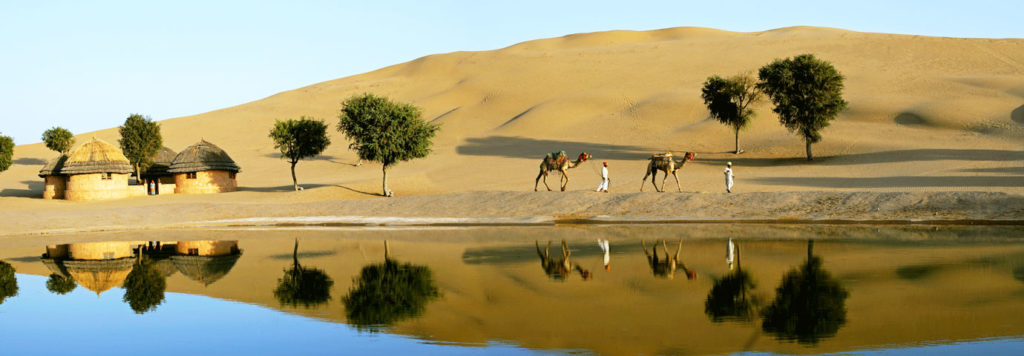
(894, 156)
(893, 182)
(522, 147)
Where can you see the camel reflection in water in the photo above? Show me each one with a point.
(559, 269)
(666, 267)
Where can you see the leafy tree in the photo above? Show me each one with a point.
(304, 286)
(807, 93)
(389, 292)
(59, 139)
(729, 101)
(144, 287)
(809, 304)
(6, 152)
(385, 131)
(298, 139)
(729, 297)
(140, 141)
(8, 283)
(59, 284)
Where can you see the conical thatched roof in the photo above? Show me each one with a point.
(96, 156)
(99, 275)
(203, 156)
(205, 269)
(161, 163)
(53, 167)
(165, 267)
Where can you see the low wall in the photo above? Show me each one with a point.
(205, 182)
(87, 187)
(55, 186)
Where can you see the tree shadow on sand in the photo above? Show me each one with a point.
(522, 147)
(894, 182)
(34, 190)
(893, 156)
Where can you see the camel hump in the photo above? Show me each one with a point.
(661, 156)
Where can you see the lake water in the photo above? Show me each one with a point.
(791, 289)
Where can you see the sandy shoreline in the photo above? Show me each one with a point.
(530, 208)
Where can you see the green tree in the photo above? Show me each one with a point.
(8, 282)
(59, 139)
(140, 141)
(729, 101)
(6, 152)
(304, 286)
(144, 287)
(298, 139)
(389, 292)
(807, 93)
(809, 304)
(385, 131)
(59, 284)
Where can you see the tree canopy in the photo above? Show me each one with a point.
(729, 101)
(384, 131)
(140, 141)
(305, 286)
(299, 139)
(8, 282)
(807, 93)
(6, 152)
(729, 298)
(388, 292)
(809, 304)
(59, 284)
(58, 139)
(144, 287)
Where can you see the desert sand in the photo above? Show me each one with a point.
(934, 130)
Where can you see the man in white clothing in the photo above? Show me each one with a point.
(728, 177)
(604, 179)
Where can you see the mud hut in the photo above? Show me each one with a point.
(203, 168)
(97, 266)
(96, 170)
(157, 173)
(206, 261)
(56, 182)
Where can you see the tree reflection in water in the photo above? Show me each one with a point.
(145, 285)
(59, 284)
(389, 292)
(809, 304)
(305, 286)
(730, 297)
(8, 284)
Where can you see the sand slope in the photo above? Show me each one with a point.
(925, 113)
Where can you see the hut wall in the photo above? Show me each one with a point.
(84, 187)
(55, 186)
(57, 251)
(207, 247)
(100, 250)
(205, 182)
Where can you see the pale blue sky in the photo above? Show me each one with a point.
(87, 65)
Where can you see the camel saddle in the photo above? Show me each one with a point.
(557, 157)
(661, 156)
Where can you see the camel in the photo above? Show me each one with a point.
(560, 162)
(664, 162)
(559, 269)
(666, 267)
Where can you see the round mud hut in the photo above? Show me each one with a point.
(157, 173)
(97, 266)
(206, 261)
(96, 170)
(203, 168)
(56, 182)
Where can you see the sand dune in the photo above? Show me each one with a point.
(925, 113)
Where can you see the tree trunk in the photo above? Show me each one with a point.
(295, 182)
(387, 251)
(810, 157)
(387, 193)
(138, 175)
(737, 151)
(810, 249)
(295, 257)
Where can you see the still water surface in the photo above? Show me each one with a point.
(666, 289)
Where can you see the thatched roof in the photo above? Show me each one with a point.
(165, 267)
(96, 156)
(205, 269)
(99, 275)
(161, 163)
(53, 167)
(203, 156)
(56, 267)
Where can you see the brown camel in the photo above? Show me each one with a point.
(559, 269)
(664, 162)
(560, 162)
(666, 268)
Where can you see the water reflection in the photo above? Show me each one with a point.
(144, 287)
(97, 266)
(559, 269)
(809, 304)
(389, 292)
(60, 284)
(666, 267)
(305, 286)
(205, 261)
(8, 284)
(730, 296)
